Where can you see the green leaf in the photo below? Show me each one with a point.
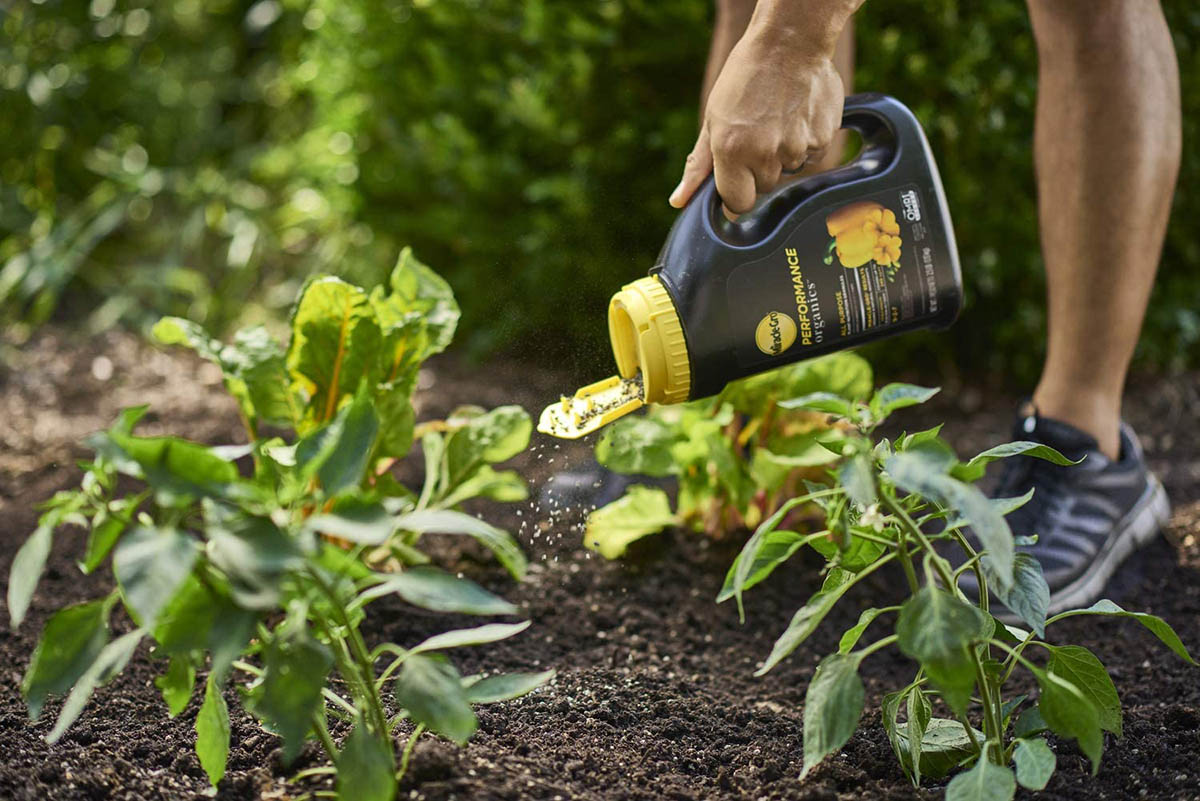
(826, 402)
(70, 642)
(178, 331)
(1035, 763)
(833, 705)
(771, 550)
(857, 553)
(974, 469)
(986, 781)
(101, 539)
(491, 632)
(911, 472)
(486, 438)
(843, 374)
(1029, 596)
(335, 344)
(1080, 667)
(26, 570)
(109, 662)
(1007, 506)
(852, 635)
(638, 446)
(505, 486)
(289, 694)
(338, 453)
(858, 478)
(809, 616)
(1029, 723)
(397, 417)
(179, 471)
(432, 692)
(176, 684)
(898, 396)
(936, 629)
(506, 686)
(255, 368)
(150, 565)
(919, 715)
(438, 591)
(1155, 624)
(212, 732)
(415, 287)
(640, 512)
(252, 552)
(363, 522)
(366, 769)
(944, 746)
(1069, 712)
(448, 521)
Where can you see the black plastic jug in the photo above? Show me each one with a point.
(823, 263)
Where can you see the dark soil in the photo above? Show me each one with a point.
(654, 696)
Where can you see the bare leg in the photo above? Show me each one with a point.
(1107, 149)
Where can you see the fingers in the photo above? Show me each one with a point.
(699, 164)
(735, 184)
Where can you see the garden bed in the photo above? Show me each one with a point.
(654, 696)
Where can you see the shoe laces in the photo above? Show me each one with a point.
(1049, 484)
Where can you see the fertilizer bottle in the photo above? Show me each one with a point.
(823, 263)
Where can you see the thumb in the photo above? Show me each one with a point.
(699, 165)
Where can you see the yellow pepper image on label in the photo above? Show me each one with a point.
(775, 333)
(864, 232)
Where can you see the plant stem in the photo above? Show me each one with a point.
(980, 578)
(323, 735)
(883, 642)
(408, 749)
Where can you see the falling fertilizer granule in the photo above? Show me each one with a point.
(593, 406)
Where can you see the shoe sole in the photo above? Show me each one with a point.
(1136, 530)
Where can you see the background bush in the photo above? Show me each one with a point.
(200, 158)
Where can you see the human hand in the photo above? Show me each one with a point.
(776, 103)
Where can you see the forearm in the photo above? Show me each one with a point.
(732, 18)
(807, 28)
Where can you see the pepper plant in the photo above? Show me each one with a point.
(260, 559)
(912, 502)
(737, 456)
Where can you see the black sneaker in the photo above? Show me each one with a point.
(1088, 518)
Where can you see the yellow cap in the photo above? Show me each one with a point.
(646, 335)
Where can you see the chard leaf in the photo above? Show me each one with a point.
(986, 781)
(826, 402)
(27, 569)
(432, 692)
(638, 446)
(438, 591)
(809, 616)
(150, 564)
(1080, 667)
(212, 732)
(416, 288)
(505, 486)
(913, 472)
(846, 375)
(480, 635)
(365, 767)
(289, 694)
(486, 438)
(338, 454)
(177, 683)
(898, 396)
(397, 417)
(109, 662)
(640, 512)
(448, 521)
(335, 343)
(1155, 624)
(1035, 763)
(506, 686)
(936, 629)
(70, 642)
(833, 705)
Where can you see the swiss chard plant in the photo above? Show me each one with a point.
(912, 502)
(737, 456)
(259, 560)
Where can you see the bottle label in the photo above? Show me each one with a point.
(851, 271)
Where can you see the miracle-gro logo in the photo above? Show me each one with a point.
(775, 333)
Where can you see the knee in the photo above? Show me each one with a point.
(1069, 28)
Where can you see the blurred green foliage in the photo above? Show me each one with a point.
(201, 157)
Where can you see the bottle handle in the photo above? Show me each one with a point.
(887, 128)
